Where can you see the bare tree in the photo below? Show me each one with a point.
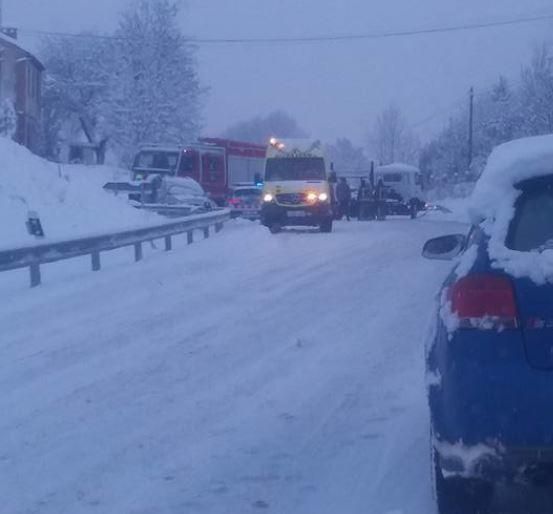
(347, 157)
(392, 140)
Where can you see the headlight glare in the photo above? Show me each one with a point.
(268, 198)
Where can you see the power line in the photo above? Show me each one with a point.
(438, 114)
(381, 35)
(324, 38)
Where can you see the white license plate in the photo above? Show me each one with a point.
(297, 214)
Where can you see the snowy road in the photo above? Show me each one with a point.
(247, 373)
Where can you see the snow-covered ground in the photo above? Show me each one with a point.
(69, 199)
(245, 373)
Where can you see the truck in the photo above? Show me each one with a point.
(404, 188)
(216, 164)
(296, 191)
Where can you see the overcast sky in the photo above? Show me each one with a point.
(333, 89)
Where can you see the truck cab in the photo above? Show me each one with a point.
(404, 188)
(296, 191)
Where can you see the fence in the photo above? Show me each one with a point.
(33, 257)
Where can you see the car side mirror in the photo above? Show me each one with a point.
(444, 248)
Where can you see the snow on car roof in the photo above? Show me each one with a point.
(397, 167)
(518, 160)
(508, 165)
(493, 203)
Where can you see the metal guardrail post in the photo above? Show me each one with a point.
(96, 264)
(138, 254)
(168, 243)
(190, 237)
(218, 227)
(34, 269)
(206, 232)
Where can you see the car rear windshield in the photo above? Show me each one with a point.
(297, 168)
(532, 226)
(158, 161)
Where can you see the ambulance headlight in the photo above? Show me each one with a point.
(323, 197)
(312, 197)
(268, 198)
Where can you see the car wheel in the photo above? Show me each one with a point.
(275, 228)
(326, 226)
(460, 495)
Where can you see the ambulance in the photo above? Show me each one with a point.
(296, 191)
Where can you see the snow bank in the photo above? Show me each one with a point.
(69, 199)
(495, 196)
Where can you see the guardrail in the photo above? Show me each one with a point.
(34, 256)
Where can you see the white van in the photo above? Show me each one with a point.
(296, 190)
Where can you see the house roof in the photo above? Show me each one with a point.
(9, 41)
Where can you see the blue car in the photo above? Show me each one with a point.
(490, 358)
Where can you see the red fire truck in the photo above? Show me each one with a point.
(216, 164)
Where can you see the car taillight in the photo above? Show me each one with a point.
(485, 302)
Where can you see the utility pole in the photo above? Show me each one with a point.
(471, 128)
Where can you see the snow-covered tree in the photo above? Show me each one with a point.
(347, 157)
(156, 87)
(77, 89)
(138, 86)
(391, 139)
(8, 119)
(537, 93)
(261, 128)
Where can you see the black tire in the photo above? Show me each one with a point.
(275, 228)
(326, 226)
(459, 495)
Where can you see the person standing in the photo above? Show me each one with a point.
(363, 198)
(380, 196)
(343, 195)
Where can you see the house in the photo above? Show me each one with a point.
(21, 87)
